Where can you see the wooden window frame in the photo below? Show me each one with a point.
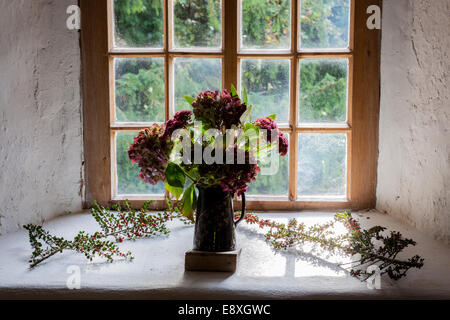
(363, 102)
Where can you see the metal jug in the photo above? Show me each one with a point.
(214, 223)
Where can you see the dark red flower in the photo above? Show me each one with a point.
(267, 124)
(181, 120)
(283, 144)
(151, 153)
(218, 110)
(271, 126)
(237, 176)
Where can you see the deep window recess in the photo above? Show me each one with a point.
(313, 63)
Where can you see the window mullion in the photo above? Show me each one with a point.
(293, 153)
(230, 34)
(167, 63)
(167, 66)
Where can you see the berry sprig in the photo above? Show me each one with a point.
(372, 246)
(123, 223)
(377, 248)
(284, 236)
(43, 244)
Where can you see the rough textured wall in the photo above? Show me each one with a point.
(40, 121)
(414, 161)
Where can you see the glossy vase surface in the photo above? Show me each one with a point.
(214, 223)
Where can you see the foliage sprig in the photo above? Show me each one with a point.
(367, 247)
(122, 223)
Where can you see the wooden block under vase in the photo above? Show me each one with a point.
(211, 261)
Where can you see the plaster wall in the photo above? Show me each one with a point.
(40, 113)
(414, 158)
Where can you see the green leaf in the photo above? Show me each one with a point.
(249, 136)
(251, 126)
(273, 116)
(189, 99)
(246, 115)
(175, 191)
(175, 180)
(234, 93)
(245, 97)
(175, 175)
(189, 202)
(194, 173)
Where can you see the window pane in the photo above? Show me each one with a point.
(265, 24)
(267, 84)
(323, 90)
(128, 173)
(193, 76)
(272, 185)
(197, 23)
(139, 89)
(324, 24)
(322, 166)
(139, 24)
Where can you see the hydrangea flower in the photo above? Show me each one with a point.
(283, 144)
(181, 120)
(151, 153)
(238, 176)
(218, 110)
(269, 124)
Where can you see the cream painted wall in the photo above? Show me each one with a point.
(414, 159)
(40, 112)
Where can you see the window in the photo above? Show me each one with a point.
(313, 63)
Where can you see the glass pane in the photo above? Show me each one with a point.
(272, 185)
(324, 24)
(267, 85)
(266, 24)
(128, 173)
(139, 24)
(322, 166)
(139, 89)
(323, 90)
(193, 76)
(197, 23)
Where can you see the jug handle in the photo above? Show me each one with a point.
(242, 211)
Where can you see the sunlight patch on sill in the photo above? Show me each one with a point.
(306, 269)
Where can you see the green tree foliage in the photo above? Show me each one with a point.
(140, 90)
(267, 83)
(322, 164)
(139, 23)
(198, 23)
(324, 23)
(266, 24)
(323, 90)
(193, 76)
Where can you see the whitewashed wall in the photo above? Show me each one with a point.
(40, 112)
(414, 161)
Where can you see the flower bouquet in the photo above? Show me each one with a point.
(214, 149)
